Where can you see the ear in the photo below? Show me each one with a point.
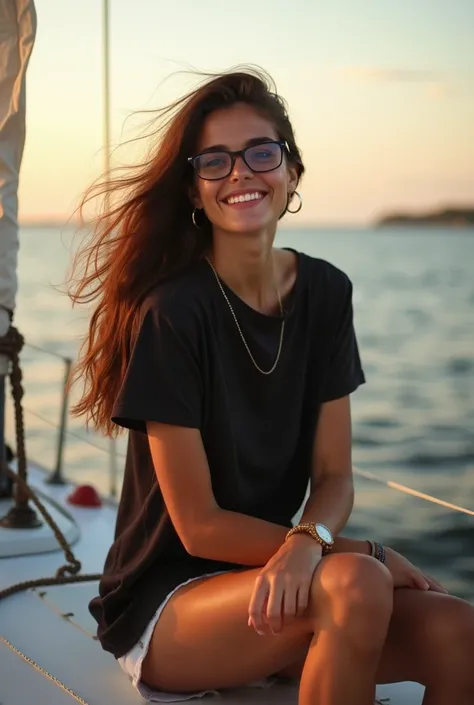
(293, 178)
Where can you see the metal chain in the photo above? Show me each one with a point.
(280, 345)
(42, 670)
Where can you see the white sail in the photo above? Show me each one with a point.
(17, 36)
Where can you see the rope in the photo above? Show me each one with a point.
(73, 566)
(414, 493)
(11, 345)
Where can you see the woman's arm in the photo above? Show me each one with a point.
(332, 488)
(206, 530)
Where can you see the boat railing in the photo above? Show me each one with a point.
(114, 455)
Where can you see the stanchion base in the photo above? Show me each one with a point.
(55, 479)
(21, 518)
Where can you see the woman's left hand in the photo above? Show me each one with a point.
(405, 574)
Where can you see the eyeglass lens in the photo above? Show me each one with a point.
(259, 157)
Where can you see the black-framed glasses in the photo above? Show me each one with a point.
(214, 165)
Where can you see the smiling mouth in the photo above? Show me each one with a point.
(245, 198)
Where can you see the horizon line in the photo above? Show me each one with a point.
(435, 209)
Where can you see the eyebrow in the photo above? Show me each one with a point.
(248, 143)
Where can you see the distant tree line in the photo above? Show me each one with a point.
(462, 217)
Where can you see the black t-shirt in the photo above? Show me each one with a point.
(189, 367)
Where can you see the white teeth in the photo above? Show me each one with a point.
(245, 197)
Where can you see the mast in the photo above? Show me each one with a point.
(18, 22)
(106, 81)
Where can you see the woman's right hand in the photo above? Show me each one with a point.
(282, 589)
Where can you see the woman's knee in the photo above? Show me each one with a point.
(356, 577)
(353, 589)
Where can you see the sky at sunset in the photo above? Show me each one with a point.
(380, 93)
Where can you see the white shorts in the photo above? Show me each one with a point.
(132, 661)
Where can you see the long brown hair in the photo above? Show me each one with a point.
(144, 234)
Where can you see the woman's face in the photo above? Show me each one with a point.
(265, 193)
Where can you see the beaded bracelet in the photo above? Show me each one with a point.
(377, 551)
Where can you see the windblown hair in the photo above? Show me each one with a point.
(143, 234)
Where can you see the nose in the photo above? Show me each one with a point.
(240, 170)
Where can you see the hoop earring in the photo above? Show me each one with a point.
(193, 218)
(300, 204)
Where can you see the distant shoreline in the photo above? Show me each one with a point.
(47, 224)
(445, 217)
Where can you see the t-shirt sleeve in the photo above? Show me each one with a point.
(163, 380)
(344, 374)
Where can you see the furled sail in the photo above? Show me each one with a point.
(17, 36)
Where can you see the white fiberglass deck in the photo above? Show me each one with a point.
(34, 623)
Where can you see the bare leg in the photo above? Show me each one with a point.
(430, 641)
(202, 639)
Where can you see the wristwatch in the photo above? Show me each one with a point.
(318, 531)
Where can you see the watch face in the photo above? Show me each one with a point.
(324, 533)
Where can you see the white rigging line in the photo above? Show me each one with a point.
(414, 493)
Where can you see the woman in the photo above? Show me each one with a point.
(231, 362)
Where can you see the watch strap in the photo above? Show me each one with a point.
(309, 528)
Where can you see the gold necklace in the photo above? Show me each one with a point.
(280, 345)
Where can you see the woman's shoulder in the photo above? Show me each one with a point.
(325, 278)
(328, 292)
(180, 297)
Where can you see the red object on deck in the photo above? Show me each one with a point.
(85, 496)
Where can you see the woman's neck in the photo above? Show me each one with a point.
(248, 267)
